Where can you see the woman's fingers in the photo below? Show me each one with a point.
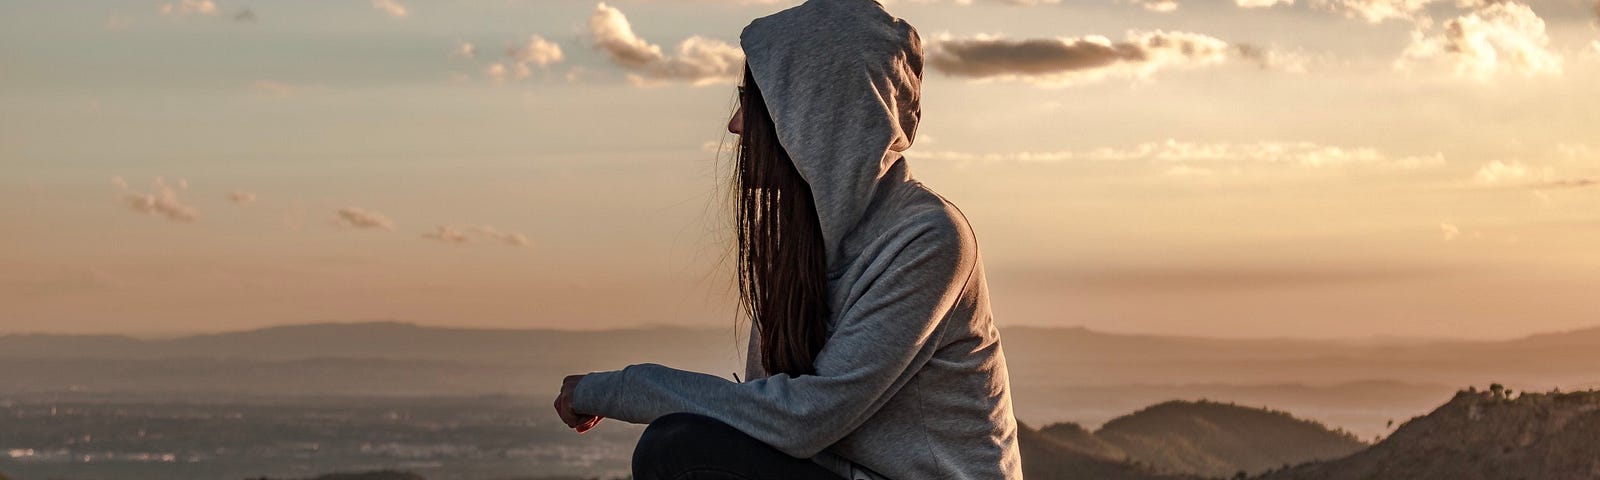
(588, 423)
(578, 421)
(564, 410)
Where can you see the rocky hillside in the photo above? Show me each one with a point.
(1206, 438)
(1481, 435)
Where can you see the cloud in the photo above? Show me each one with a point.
(506, 238)
(464, 50)
(1450, 231)
(1162, 6)
(1273, 58)
(189, 7)
(499, 72)
(391, 7)
(1261, 3)
(461, 235)
(1499, 173)
(1498, 36)
(1065, 61)
(1573, 182)
(536, 52)
(447, 234)
(162, 200)
(697, 60)
(1376, 11)
(272, 89)
(1174, 153)
(245, 16)
(240, 197)
(356, 217)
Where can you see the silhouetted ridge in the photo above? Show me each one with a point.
(1045, 458)
(1083, 441)
(1481, 435)
(1207, 438)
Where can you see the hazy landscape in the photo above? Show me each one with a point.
(449, 403)
(366, 239)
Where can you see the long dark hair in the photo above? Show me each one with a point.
(782, 274)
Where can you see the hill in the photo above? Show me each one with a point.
(1207, 438)
(1481, 436)
(1045, 458)
(1083, 441)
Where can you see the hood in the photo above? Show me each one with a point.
(842, 80)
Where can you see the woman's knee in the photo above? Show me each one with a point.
(672, 436)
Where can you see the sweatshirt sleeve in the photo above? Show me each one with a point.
(879, 343)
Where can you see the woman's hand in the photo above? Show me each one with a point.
(577, 421)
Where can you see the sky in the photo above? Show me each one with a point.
(1248, 168)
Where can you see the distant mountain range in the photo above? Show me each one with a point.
(1074, 356)
(1058, 374)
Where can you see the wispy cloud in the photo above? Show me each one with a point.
(460, 235)
(536, 52)
(391, 7)
(189, 7)
(1499, 173)
(464, 50)
(697, 60)
(272, 89)
(1449, 230)
(1163, 6)
(162, 200)
(1274, 58)
(447, 234)
(240, 197)
(1066, 61)
(1196, 157)
(1377, 11)
(1572, 182)
(505, 238)
(359, 218)
(1261, 3)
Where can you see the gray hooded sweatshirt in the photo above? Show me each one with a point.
(911, 382)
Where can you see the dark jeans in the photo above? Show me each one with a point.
(687, 446)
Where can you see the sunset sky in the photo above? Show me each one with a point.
(1308, 168)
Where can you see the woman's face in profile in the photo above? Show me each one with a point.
(736, 124)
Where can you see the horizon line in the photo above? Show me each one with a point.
(651, 326)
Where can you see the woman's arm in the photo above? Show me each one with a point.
(879, 343)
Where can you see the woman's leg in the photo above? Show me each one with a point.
(687, 446)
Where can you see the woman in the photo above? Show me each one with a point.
(872, 352)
